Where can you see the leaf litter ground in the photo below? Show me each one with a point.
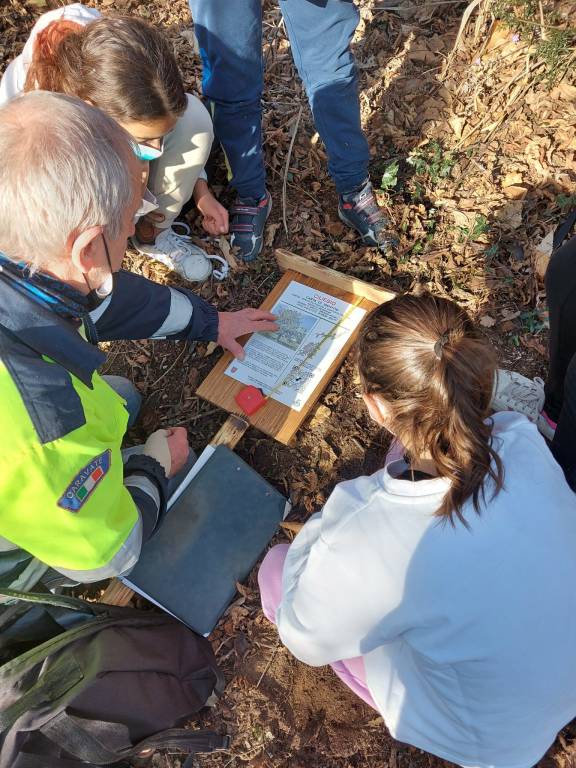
(471, 123)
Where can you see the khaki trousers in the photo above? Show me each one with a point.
(173, 176)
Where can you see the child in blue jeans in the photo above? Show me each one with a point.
(320, 32)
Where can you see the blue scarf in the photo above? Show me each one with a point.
(50, 293)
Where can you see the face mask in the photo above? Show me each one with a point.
(147, 153)
(104, 290)
(148, 204)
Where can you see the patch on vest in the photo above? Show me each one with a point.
(85, 482)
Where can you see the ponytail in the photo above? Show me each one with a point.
(123, 66)
(435, 372)
(45, 70)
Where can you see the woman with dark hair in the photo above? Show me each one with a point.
(126, 68)
(441, 588)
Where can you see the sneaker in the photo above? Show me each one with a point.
(546, 426)
(247, 221)
(360, 211)
(514, 392)
(179, 253)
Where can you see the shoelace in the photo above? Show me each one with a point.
(519, 393)
(525, 392)
(219, 274)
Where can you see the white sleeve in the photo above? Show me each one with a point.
(337, 601)
(14, 78)
(12, 82)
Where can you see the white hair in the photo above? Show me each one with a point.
(63, 169)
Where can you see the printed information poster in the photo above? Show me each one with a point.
(289, 363)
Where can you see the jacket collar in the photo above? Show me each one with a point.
(46, 331)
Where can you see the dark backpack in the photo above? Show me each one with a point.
(84, 684)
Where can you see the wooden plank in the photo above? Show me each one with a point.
(276, 419)
(116, 593)
(230, 432)
(291, 261)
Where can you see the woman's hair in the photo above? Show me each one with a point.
(435, 372)
(123, 66)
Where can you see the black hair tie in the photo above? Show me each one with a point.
(440, 344)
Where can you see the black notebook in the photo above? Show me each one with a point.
(211, 538)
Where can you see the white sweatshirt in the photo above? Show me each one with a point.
(468, 636)
(13, 80)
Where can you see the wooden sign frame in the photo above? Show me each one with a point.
(274, 418)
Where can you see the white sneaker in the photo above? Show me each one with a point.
(514, 392)
(179, 253)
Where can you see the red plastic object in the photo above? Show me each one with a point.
(250, 399)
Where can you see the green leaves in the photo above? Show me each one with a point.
(390, 176)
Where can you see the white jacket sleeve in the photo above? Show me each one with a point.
(341, 597)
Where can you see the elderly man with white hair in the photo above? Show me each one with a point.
(70, 189)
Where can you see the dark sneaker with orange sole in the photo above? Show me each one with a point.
(247, 222)
(360, 211)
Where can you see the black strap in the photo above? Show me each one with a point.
(58, 679)
(186, 741)
(59, 601)
(43, 761)
(105, 742)
(71, 735)
(563, 230)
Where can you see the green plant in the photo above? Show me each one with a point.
(430, 222)
(566, 201)
(418, 192)
(531, 321)
(542, 26)
(555, 51)
(390, 176)
(433, 161)
(478, 228)
(491, 252)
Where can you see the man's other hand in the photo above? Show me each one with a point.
(177, 438)
(169, 447)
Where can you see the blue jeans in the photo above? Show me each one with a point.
(229, 34)
(128, 391)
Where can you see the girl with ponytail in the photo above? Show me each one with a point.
(441, 588)
(126, 68)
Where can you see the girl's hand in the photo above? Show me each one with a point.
(215, 220)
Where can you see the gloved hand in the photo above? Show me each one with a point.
(170, 449)
(156, 446)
